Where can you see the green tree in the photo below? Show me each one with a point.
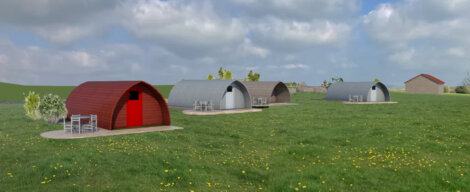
(333, 80)
(52, 108)
(324, 84)
(250, 75)
(376, 79)
(253, 77)
(221, 73)
(446, 89)
(31, 105)
(210, 77)
(227, 74)
(466, 80)
(257, 76)
(461, 89)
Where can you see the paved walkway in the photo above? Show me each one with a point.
(60, 134)
(282, 104)
(388, 102)
(219, 112)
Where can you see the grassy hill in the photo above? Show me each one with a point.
(420, 144)
(14, 92)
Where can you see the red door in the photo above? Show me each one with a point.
(134, 108)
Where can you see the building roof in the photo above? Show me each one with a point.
(266, 88)
(102, 97)
(342, 90)
(430, 77)
(184, 92)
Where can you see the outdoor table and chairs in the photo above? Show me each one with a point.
(76, 123)
(203, 105)
(260, 101)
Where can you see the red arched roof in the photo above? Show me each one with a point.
(102, 97)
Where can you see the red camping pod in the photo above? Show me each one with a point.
(119, 104)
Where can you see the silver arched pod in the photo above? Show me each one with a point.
(358, 91)
(225, 94)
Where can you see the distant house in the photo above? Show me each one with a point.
(358, 92)
(425, 84)
(303, 87)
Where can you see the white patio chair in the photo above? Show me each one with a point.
(91, 125)
(210, 106)
(67, 125)
(196, 105)
(75, 120)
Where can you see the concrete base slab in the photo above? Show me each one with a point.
(282, 104)
(359, 103)
(60, 134)
(219, 112)
(273, 104)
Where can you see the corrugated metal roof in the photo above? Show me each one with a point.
(342, 90)
(185, 92)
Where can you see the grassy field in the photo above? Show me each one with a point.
(419, 144)
(14, 92)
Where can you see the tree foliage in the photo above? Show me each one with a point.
(376, 79)
(52, 108)
(210, 77)
(31, 105)
(291, 84)
(333, 80)
(252, 77)
(221, 73)
(466, 80)
(446, 89)
(227, 74)
(461, 89)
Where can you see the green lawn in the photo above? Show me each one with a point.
(419, 144)
(14, 92)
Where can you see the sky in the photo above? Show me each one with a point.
(57, 42)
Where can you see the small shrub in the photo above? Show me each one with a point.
(461, 89)
(31, 105)
(446, 89)
(52, 108)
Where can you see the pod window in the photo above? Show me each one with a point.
(133, 95)
(229, 89)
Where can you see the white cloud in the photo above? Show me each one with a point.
(296, 66)
(190, 30)
(422, 35)
(179, 68)
(62, 22)
(299, 9)
(248, 48)
(456, 51)
(403, 56)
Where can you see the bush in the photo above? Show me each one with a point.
(52, 108)
(31, 105)
(461, 89)
(446, 89)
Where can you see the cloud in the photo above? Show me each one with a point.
(295, 35)
(187, 29)
(296, 66)
(422, 35)
(62, 22)
(299, 9)
(248, 48)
